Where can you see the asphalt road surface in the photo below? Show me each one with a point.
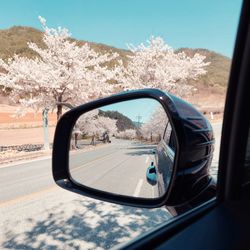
(36, 214)
(215, 162)
(119, 167)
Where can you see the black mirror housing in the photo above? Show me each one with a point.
(194, 149)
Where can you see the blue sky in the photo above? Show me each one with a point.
(132, 109)
(192, 23)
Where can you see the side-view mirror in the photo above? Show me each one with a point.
(146, 126)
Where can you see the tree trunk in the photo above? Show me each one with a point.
(59, 108)
(59, 111)
(76, 136)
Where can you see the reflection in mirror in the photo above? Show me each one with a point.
(126, 148)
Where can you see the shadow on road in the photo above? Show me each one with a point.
(90, 225)
(151, 147)
(141, 150)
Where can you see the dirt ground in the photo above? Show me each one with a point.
(23, 130)
(8, 118)
(28, 129)
(12, 137)
(207, 99)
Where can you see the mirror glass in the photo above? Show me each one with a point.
(126, 148)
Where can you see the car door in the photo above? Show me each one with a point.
(165, 159)
(222, 222)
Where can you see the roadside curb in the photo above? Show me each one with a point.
(23, 160)
(42, 156)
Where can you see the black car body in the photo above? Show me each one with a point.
(193, 178)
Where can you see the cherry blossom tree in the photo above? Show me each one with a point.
(156, 124)
(62, 72)
(157, 65)
(127, 134)
(91, 123)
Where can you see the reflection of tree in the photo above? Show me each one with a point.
(123, 122)
(92, 124)
(127, 134)
(155, 126)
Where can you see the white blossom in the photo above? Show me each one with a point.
(156, 124)
(157, 65)
(91, 123)
(127, 134)
(63, 72)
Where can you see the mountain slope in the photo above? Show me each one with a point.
(123, 122)
(14, 41)
(218, 70)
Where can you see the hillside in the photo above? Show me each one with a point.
(14, 41)
(218, 70)
(123, 122)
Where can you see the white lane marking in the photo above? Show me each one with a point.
(138, 188)
(147, 158)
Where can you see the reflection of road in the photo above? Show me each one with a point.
(119, 167)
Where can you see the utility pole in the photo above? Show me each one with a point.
(138, 117)
(45, 129)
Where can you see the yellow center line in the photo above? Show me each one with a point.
(46, 190)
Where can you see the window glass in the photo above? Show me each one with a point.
(167, 133)
(56, 55)
(172, 142)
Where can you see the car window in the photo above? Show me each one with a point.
(172, 142)
(169, 137)
(167, 133)
(56, 55)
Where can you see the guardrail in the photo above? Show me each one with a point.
(23, 147)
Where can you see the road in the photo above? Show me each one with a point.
(122, 163)
(217, 127)
(120, 167)
(36, 214)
